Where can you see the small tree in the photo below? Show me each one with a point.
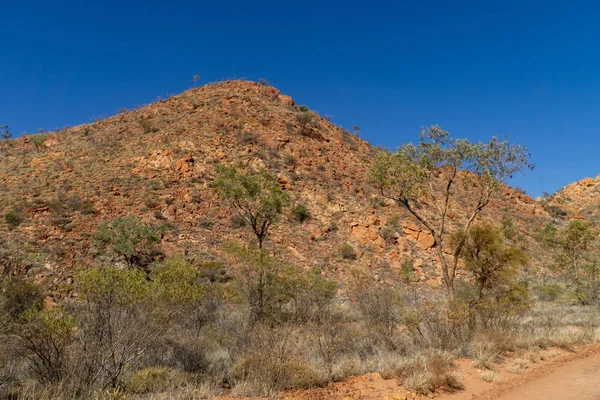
(5, 132)
(257, 197)
(304, 120)
(576, 259)
(38, 141)
(429, 172)
(122, 313)
(490, 261)
(42, 340)
(261, 283)
(276, 292)
(545, 247)
(129, 238)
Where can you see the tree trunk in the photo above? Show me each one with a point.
(448, 280)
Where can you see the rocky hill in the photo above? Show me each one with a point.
(157, 163)
(579, 199)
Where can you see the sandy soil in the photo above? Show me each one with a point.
(576, 380)
(547, 374)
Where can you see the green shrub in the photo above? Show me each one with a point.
(347, 252)
(13, 218)
(551, 291)
(38, 141)
(21, 296)
(43, 339)
(300, 213)
(129, 238)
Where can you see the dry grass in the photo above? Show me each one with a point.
(489, 376)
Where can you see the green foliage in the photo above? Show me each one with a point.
(177, 281)
(38, 141)
(551, 291)
(312, 293)
(300, 213)
(121, 314)
(428, 171)
(576, 260)
(407, 272)
(276, 292)
(499, 298)
(261, 281)
(347, 252)
(257, 197)
(129, 238)
(20, 297)
(114, 286)
(13, 218)
(490, 261)
(43, 339)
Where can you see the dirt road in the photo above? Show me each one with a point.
(578, 379)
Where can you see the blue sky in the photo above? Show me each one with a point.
(528, 69)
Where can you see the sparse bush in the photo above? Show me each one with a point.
(38, 141)
(238, 221)
(300, 213)
(387, 233)
(271, 365)
(551, 292)
(486, 351)
(87, 208)
(5, 132)
(129, 238)
(155, 380)
(13, 218)
(20, 297)
(289, 159)
(249, 137)
(304, 120)
(146, 125)
(488, 376)
(382, 308)
(43, 337)
(347, 252)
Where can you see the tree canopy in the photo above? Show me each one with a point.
(429, 173)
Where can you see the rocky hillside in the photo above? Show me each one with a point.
(157, 163)
(579, 199)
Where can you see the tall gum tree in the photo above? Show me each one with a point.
(428, 174)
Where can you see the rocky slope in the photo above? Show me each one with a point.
(158, 161)
(579, 199)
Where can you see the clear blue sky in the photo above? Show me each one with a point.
(529, 69)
